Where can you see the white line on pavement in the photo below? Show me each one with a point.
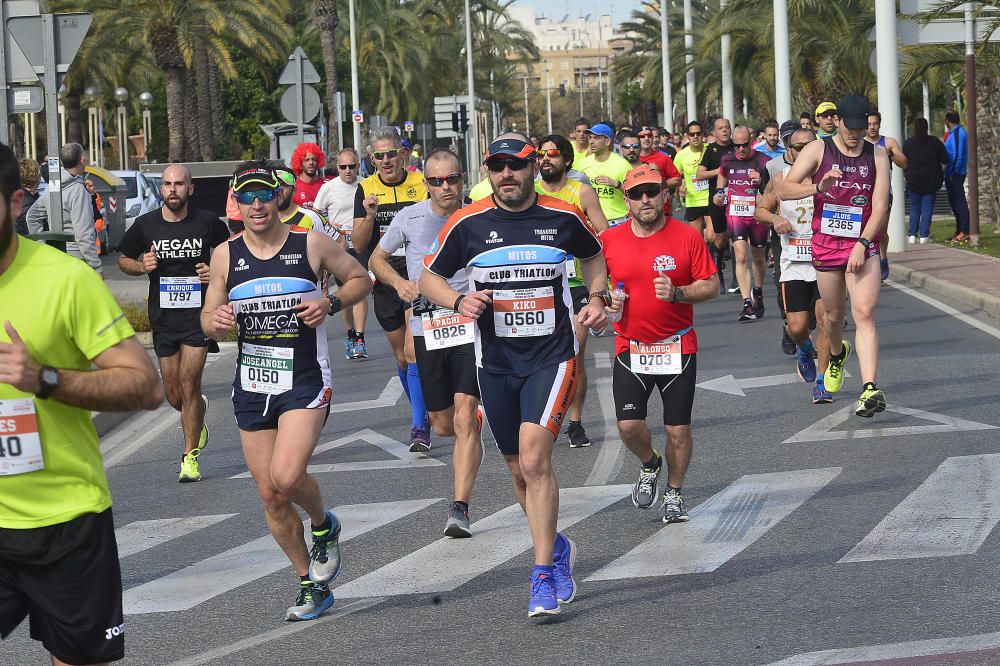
(721, 527)
(823, 430)
(389, 396)
(602, 360)
(937, 646)
(947, 309)
(136, 433)
(951, 513)
(609, 459)
(145, 534)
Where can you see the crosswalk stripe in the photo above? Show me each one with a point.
(448, 563)
(721, 527)
(145, 534)
(238, 566)
(951, 513)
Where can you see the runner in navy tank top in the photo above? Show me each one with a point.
(267, 279)
(849, 180)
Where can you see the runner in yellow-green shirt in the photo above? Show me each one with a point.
(57, 319)
(693, 191)
(606, 171)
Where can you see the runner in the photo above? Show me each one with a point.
(307, 162)
(664, 267)
(581, 143)
(826, 119)
(266, 280)
(709, 170)
(649, 154)
(694, 192)
(378, 199)
(606, 170)
(291, 213)
(792, 221)
(555, 158)
(739, 175)
(336, 201)
(771, 145)
(514, 246)
(173, 245)
(629, 147)
(874, 135)
(65, 349)
(849, 181)
(443, 340)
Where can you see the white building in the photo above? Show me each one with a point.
(564, 33)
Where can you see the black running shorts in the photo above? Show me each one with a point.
(445, 372)
(390, 309)
(542, 398)
(169, 343)
(632, 391)
(799, 295)
(718, 215)
(694, 212)
(66, 579)
(580, 297)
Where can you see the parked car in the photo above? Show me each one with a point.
(143, 195)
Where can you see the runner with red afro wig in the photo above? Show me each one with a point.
(301, 151)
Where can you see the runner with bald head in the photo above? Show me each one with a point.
(172, 246)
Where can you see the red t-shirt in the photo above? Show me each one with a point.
(305, 193)
(680, 253)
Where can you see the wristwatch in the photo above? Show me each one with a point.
(335, 305)
(604, 295)
(677, 296)
(48, 378)
(864, 241)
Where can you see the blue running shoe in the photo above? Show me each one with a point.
(314, 599)
(820, 395)
(884, 266)
(563, 559)
(543, 596)
(349, 348)
(805, 363)
(324, 558)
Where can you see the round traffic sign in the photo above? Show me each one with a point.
(310, 103)
(357, 116)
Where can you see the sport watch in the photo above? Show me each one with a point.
(335, 305)
(48, 378)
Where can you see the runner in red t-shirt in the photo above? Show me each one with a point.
(648, 154)
(664, 266)
(307, 162)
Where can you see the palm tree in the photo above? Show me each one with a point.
(326, 20)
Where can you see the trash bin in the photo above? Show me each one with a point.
(57, 239)
(114, 194)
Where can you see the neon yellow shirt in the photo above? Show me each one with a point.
(612, 198)
(687, 162)
(481, 190)
(570, 193)
(66, 316)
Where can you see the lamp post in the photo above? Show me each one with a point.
(63, 91)
(91, 97)
(121, 96)
(668, 95)
(146, 100)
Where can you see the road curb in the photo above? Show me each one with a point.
(947, 290)
(105, 422)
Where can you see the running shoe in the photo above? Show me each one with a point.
(420, 439)
(747, 313)
(577, 435)
(324, 558)
(189, 467)
(360, 350)
(787, 344)
(644, 491)
(543, 599)
(884, 265)
(820, 395)
(871, 402)
(563, 559)
(722, 282)
(457, 526)
(349, 348)
(203, 437)
(835, 373)
(314, 599)
(805, 364)
(758, 303)
(673, 507)
(734, 286)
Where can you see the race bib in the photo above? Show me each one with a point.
(399, 251)
(570, 267)
(266, 369)
(741, 206)
(446, 328)
(800, 246)
(658, 358)
(20, 445)
(524, 313)
(843, 221)
(699, 185)
(180, 292)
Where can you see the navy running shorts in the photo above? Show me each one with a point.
(260, 411)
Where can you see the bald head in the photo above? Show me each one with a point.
(741, 134)
(176, 172)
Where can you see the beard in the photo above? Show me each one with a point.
(553, 175)
(175, 207)
(516, 198)
(284, 203)
(6, 232)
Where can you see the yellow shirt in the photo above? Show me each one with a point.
(612, 198)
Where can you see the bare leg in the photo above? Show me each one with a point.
(834, 294)
(759, 265)
(576, 407)
(679, 448)
(742, 270)
(542, 494)
(822, 345)
(192, 406)
(637, 438)
(864, 288)
(468, 454)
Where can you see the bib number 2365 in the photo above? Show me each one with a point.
(524, 313)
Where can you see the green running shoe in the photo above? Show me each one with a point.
(834, 377)
(871, 402)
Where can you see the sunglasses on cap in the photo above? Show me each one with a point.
(636, 193)
(548, 152)
(498, 164)
(451, 179)
(345, 167)
(386, 154)
(246, 197)
(798, 146)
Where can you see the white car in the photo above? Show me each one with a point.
(142, 195)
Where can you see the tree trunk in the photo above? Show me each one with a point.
(192, 138)
(327, 21)
(174, 85)
(987, 122)
(218, 115)
(74, 122)
(206, 136)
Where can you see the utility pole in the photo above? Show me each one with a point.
(473, 117)
(527, 123)
(728, 103)
(971, 104)
(692, 104)
(668, 93)
(355, 101)
(782, 66)
(548, 96)
(887, 66)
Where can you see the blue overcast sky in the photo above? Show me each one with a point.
(620, 10)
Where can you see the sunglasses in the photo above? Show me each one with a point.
(694, 133)
(246, 197)
(828, 114)
(386, 154)
(548, 152)
(497, 165)
(345, 167)
(797, 146)
(741, 145)
(629, 146)
(636, 193)
(451, 179)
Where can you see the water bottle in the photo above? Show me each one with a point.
(618, 295)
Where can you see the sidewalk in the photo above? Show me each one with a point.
(954, 275)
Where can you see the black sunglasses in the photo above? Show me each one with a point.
(828, 114)
(345, 167)
(694, 133)
(741, 145)
(451, 179)
(636, 193)
(385, 154)
(496, 165)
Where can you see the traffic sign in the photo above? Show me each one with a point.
(25, 99)
(17, 67)
(408, 126)
(70, 31)
(358, 116)
(310, 104)
(288, 75)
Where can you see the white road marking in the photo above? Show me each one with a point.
(448, 563)
(608, 461)
(136, 433)
(185, 589)
(145, 534)
(733, 386)
(401, 456)
(947, 309)
(951, 513)
(602, 360)
(958, 645)
(823, 430)
(389, 396)
(721, 527)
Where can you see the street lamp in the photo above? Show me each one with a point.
(146, 100)
(63, 91)
(548, 95)
(91, 96)
(121, 96)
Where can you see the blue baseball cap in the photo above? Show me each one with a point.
(601, 129)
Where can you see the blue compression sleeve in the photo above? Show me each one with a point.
(404, 381)
(416, 396)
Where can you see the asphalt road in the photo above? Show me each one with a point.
(812, 529)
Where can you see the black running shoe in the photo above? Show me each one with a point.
(787, 344)
(577, 435)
